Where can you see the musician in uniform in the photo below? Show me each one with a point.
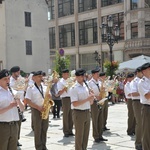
(35, 98)
(131, 118)
(15, 73)
(102, 77)
(144, 90)
(137, 108)
(63, 91)
(9, 116)
(96, 112)
(80, 103)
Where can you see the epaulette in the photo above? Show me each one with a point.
(31, 86)
(143, 79)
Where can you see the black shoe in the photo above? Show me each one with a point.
(58, 116)
(54, 117)
(131, 134)
(71, 134)
(66, 135)
(18, 144)
(138, 147)
(105, 128)
(102, 139)
(23, 120)
(97, 140)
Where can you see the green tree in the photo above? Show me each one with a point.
(61, 62)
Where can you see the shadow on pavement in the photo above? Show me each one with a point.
(30, 134)
(66, 141)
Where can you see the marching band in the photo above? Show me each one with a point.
(80, 101)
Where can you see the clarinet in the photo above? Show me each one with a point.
(19, 111)
(95, 99)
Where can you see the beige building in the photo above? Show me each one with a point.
(74, 27)
(24, 38)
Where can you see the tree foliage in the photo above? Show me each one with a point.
(61, 62)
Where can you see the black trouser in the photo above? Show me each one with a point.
(56, 108)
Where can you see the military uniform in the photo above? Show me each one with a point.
(35, 94)
(66, 106)
(79, 94)
(96, 112)
(131, 118)
(137, 113)
(144, 89)
(8, 118)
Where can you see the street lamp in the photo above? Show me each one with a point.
(97, 58)
(110, 34)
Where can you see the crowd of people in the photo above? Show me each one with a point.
(82, 102)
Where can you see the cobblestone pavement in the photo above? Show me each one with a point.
(117, 136)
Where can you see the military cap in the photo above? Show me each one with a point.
(4, 73)
(38, 73)
(65, 71)
(80, 72)
(145, 66)
(15, 69)
(130, 75)
(138, 69)
(97, 69)
(102, 74)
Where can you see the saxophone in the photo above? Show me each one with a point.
(48, 102)
(102, 94)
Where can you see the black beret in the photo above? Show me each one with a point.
(4, 73)
(95, 70)
(15, 69)
(65, 71)
(102, 74)
(130, 75)
(37, 73)
(145, 66)
(138, 69)
(80, 72)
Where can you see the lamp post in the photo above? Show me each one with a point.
(97, 58)
(110, 34)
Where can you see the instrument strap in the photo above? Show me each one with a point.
(97, 85)
(41, 91)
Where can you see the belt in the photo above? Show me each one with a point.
(9, 123)
(146, 105)
(135, 99)
(66, 97)
(81, 110)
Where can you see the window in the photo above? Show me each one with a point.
(51, 12)
(147, 29)
(27, 19)
(118, 19)
(88, 32)
(147, 3)
(85, 5)
(110, 2)
(134, 4)
(87, 61)
(134, 30)
(65, 7)
(52, 41)
(66, 35)
(28, 47)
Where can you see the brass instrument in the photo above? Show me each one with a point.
(19, 86)
(102, 94)
(48, 102)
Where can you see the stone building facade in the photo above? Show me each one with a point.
(24, 38)
(74, 25)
